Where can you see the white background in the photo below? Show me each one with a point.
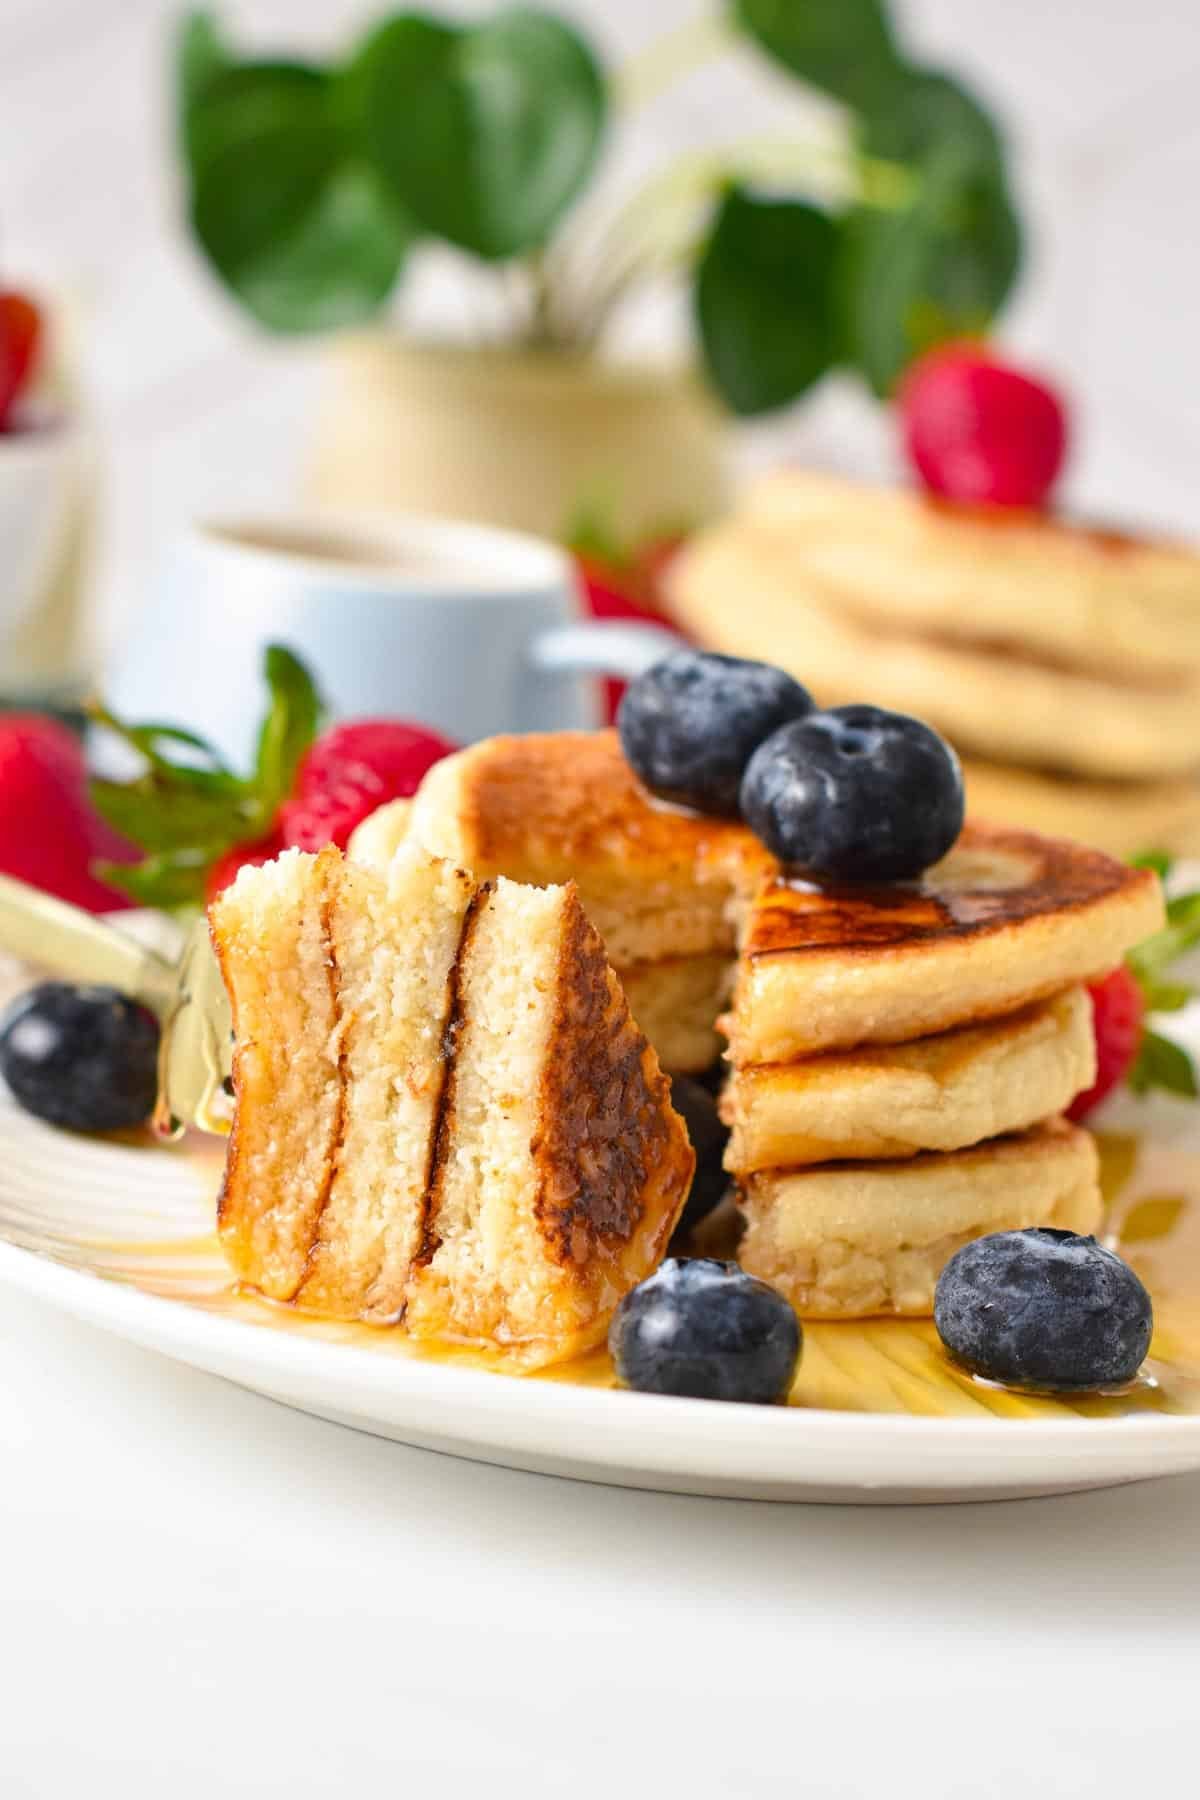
(200, 411)
(201, 1593)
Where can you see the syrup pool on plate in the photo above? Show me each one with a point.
(872, 1365)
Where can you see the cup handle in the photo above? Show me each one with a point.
(609, 647)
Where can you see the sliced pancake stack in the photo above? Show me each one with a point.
(1062, 662)
(902, 1056)
(899, 1057)
(446, 1117)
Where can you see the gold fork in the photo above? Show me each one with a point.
(186, 995)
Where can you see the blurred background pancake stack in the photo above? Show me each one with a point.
(1062, 661)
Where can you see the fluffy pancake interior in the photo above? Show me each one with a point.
(476, 1282)
(394, 944)
(938, 1093)
(676, 1002)
(851, 1239)
(271, 932)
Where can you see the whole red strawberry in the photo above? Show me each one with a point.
(1118, 1014)
(979, 430)
(49, 833)
(350, 771)
(20, 330)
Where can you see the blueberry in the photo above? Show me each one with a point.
(82, 1057)
(706, 1329)
(856, 794)
(1043, 1309)
(698, 1110)
(690, 725)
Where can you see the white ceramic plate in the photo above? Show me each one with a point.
(120, 1236)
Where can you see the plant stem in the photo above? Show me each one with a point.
(670, 57)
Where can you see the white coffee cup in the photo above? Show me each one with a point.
(466, 628)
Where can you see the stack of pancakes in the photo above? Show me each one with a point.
(899, 1056)
(1062, 662)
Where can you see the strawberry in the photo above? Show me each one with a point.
(396, 754)
(328, 815)
(350, 771)
(1118, 1012)
(979, 431)
(20, 331)
(1125, 1049)
(49, 834)
(241, 856)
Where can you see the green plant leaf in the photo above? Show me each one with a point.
(764, 292)
(1157, 860)
(201, 54)
(940, 262)
(295, 223)
(485, 135)
(1162, 1064)
(844, 47)
(926, 114)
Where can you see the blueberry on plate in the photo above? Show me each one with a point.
(1043, 1309)
(855, 794)
(82, 1057)
(689, 725)
(698, 1110)
(706, 1329)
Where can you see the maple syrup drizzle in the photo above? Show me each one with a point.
(865, 1365)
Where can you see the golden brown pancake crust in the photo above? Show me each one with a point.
(607, 1122)
(561, 800)
(793, 917)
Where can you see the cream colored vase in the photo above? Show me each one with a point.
(516, 438)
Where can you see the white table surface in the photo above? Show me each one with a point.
(202, 1593)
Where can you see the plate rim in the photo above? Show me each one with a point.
(108, 1303)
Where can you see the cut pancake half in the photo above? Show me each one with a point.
(271, 934)
(560, 1168)
(852, 1239)
(938, 1093)
(394, 944)
(444, 1108)
(1007, 918)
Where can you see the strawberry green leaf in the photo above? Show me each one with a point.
(1162, 1064)
(1166, 996)
(292, 722)
(186, 808)
(157, 815)
(173, 879)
